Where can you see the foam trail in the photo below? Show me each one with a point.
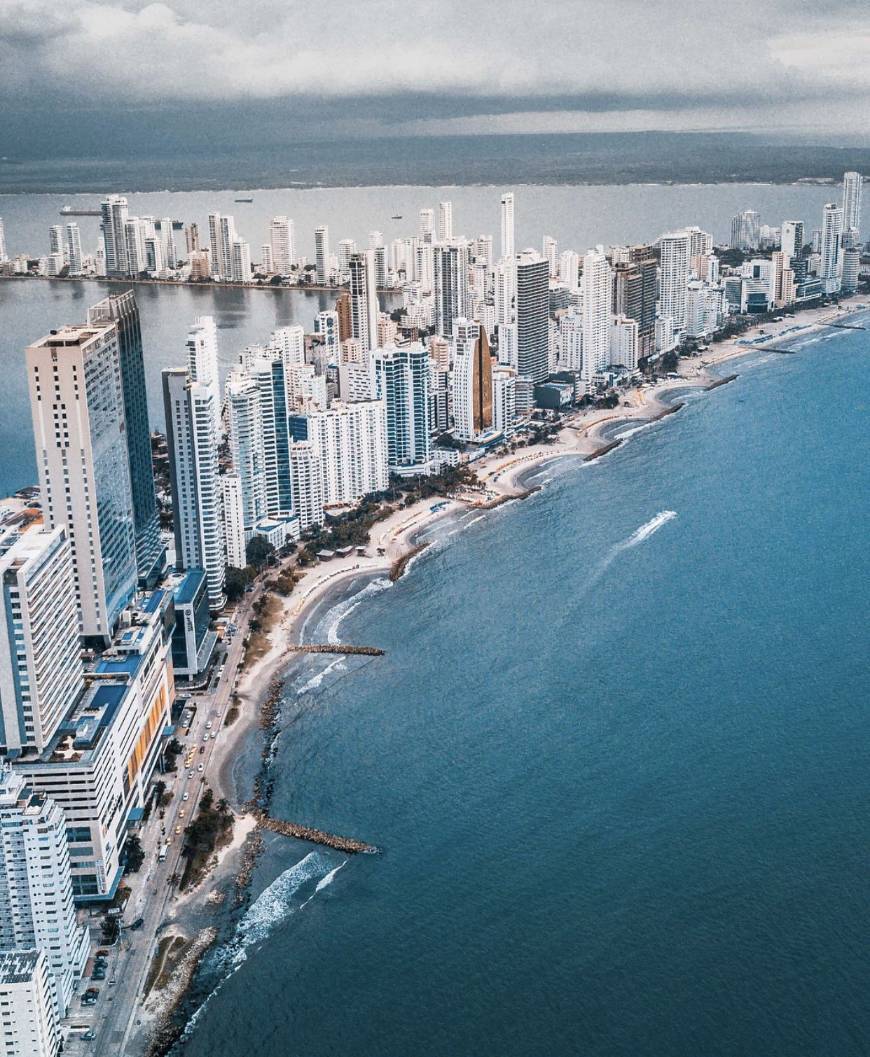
(645, 531)
(324, 882)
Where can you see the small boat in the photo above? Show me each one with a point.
(243, 200)
(397, 216)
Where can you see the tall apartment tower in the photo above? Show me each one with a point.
(80, 433)
(451, 284)
(28, 1010)
(746, 230)
(36, 894)
(596, 287)
(635, 294)
(508, 246)
(403, 384)
(282, 241)
(321, 253)
(124, 312)
(74, 248)
(852, 190)
(674, 278)
(40, 664)
(4, 256)
(202, 361)
(532, 316)
(445, 221)
(832, 230)
(192, 439)
(472, 380)
(113, 222)
(792, 238)
(364, 299)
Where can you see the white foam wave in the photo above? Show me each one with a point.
(338, 612)
(324, 882)
(315, 681)
(645, 531)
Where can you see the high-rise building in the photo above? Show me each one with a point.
(508, 247)
(504, 398)
(450, 280)
(349, 444)
(426, 224)
(403, 385)
(222, 235)
(74, 248)
(345, 315)
(532, 315)
(746, 230)
(4, 256)
(624, 342)
(472, 380)
(792, 238)
(283, 244)
(240, 266)
(191, 238)
(192, 439)
(635, 294)
(40, 665)
(246, 445)
(550, 250)
(596, 287)
(832, 230)
(113, 214)
(674, 278)
(852, 189)
(28, 1009)
(321, 254)
(79, 428)
(364, 299)
(307, 484)
(167, 239)
(202, 361)
(36, 893)
(326, 327)
(234, 520)
(124, 312)
(445, 221)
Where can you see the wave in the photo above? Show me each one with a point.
(344, 608)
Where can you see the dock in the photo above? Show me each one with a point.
(336, 647)
(316, 836)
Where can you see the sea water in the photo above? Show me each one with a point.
(615, 757)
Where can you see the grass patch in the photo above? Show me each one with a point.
(210, 830)
(267, 611)
(231, 716)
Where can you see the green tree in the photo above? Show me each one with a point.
(235, 582)
(258, 552)
(135, 855)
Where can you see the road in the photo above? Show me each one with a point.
(114, 1018)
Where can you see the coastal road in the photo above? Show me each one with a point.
(153, 889)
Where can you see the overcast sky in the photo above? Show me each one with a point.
(454, 66)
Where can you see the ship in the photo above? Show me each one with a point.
(243, 200)
(397, 216)
(71, 211)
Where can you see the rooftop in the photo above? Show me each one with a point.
(17, 967)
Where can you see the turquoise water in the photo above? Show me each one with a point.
(616, 757)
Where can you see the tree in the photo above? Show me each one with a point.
(259, 551)
(134, 853)
(235, 582)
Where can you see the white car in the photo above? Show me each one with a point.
(185, 796)
(201, 768)
(208, 725)
(190, 773)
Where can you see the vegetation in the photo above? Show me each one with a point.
(352, 529)
(210, 829)
(235, 582)
(258, 552)
(134, 854)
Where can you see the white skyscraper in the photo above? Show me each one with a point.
(450, 280)
(445, 221)
(596, 285)
(246, 445)
(305, 471)
(326, 328)
(79, 429)
(426, 224)
(4, 256)
(40, 663)
(792, 238)
(532, 316)
(624, 342)
(852, 190)
(403, 383)
(674, 277)
(55, 240)
(508, 247)
(321, 253)
(240, 267)
(167, 241)
(192, 439)
(832, 230)
(571, 339)
(283, 244)
(569, 269)
(549, 250)
(234, 520)
(28, 1009)
(504, 398)
(348, 442)
(74, 248)
(202, 361)
(36, 895)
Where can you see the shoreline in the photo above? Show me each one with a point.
(502, 478)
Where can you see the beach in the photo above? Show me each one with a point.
(503, 477)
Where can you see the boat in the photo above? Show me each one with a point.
(243, 200)
(397, 216)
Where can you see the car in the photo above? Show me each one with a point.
(201, 768)
(98, 974)
(89, 1035)
(137, 924)
(190, 774)
(208, 725)
(205, 739)
(181, 813)
(185, 796)
(201, 749)
(177, 830)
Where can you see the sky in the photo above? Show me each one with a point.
(372, 67)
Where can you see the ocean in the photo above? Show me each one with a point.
(578, 216)
(615, 758)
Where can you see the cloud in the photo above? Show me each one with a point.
(583, 57)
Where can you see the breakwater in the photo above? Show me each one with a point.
(336, 647)
(316, 836)
(718, 382)
(401, 564)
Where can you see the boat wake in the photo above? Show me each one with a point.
(645, 531)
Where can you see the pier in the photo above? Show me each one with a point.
(844, 326)
(316, 836)
(336, 647)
